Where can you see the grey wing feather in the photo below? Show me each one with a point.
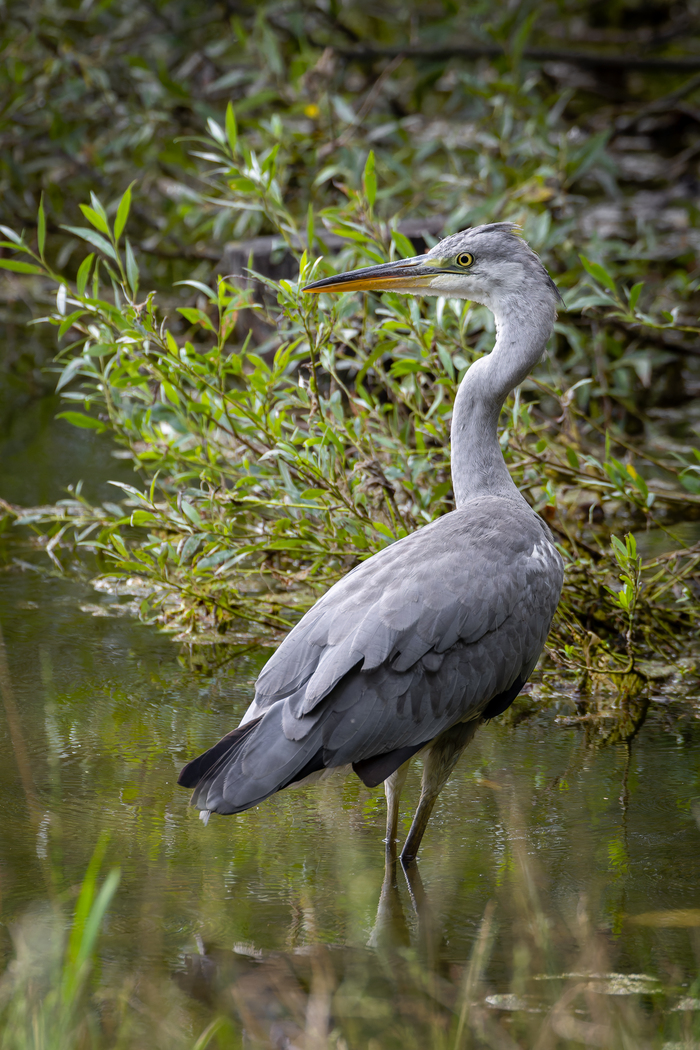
(420, 636)
(443, 583)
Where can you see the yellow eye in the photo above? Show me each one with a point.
(464, 259)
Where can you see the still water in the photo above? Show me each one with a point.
(582, 858)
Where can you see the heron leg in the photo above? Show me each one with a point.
(393, 785)
(439, 763)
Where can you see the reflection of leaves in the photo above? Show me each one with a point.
(618, 859)
(680, 918)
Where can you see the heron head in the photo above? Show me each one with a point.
(487, 264)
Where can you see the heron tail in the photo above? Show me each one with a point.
(206, 765)
(251, 763)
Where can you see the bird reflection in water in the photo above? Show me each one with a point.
(293, 1000)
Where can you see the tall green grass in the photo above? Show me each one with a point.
(45, 1001)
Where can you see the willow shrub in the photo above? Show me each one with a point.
(268, 471)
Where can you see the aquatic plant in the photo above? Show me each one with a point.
(44, 999)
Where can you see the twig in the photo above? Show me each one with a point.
(364, 109)
(472, 52)
(662, 105)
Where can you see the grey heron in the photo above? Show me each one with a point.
(418, 645)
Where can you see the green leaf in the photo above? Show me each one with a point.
(634, 294)
(130, 489)
(69, 372)
(313, 494)
(78, 419)
(132, 270)
(201, 287)
(95, 218)
(520, 36)
(691, 483)
(599, 273)
(572, 457)
(190, 512)
(406, 367)
(196, 317)
(383, 530)
(619, 550)
(84, 274)
(643, 488)
(41, 227)
(216, 131)
(270, 163)
(143, 517)
(98, 206)
(68, 322)
(92, 238)
(97, 912)
(19, 267)
(190, 548)
(100, 349)
(123, 212)
(217, 1025)
(403, 245)
(369, 179)
(212, 560)
(446, 360)
(11, 234)
(118, 544)
(289, 545)
(231, 129)
(171, 393)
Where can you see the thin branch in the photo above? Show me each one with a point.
(472, 52)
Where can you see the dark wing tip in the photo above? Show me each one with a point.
(193, 773)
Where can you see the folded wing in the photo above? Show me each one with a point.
(426, 633)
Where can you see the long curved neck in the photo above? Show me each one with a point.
(478, 467)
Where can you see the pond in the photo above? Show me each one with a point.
(557, 895)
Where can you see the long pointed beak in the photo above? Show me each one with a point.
(400, 275)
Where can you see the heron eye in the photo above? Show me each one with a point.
(465, 259)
